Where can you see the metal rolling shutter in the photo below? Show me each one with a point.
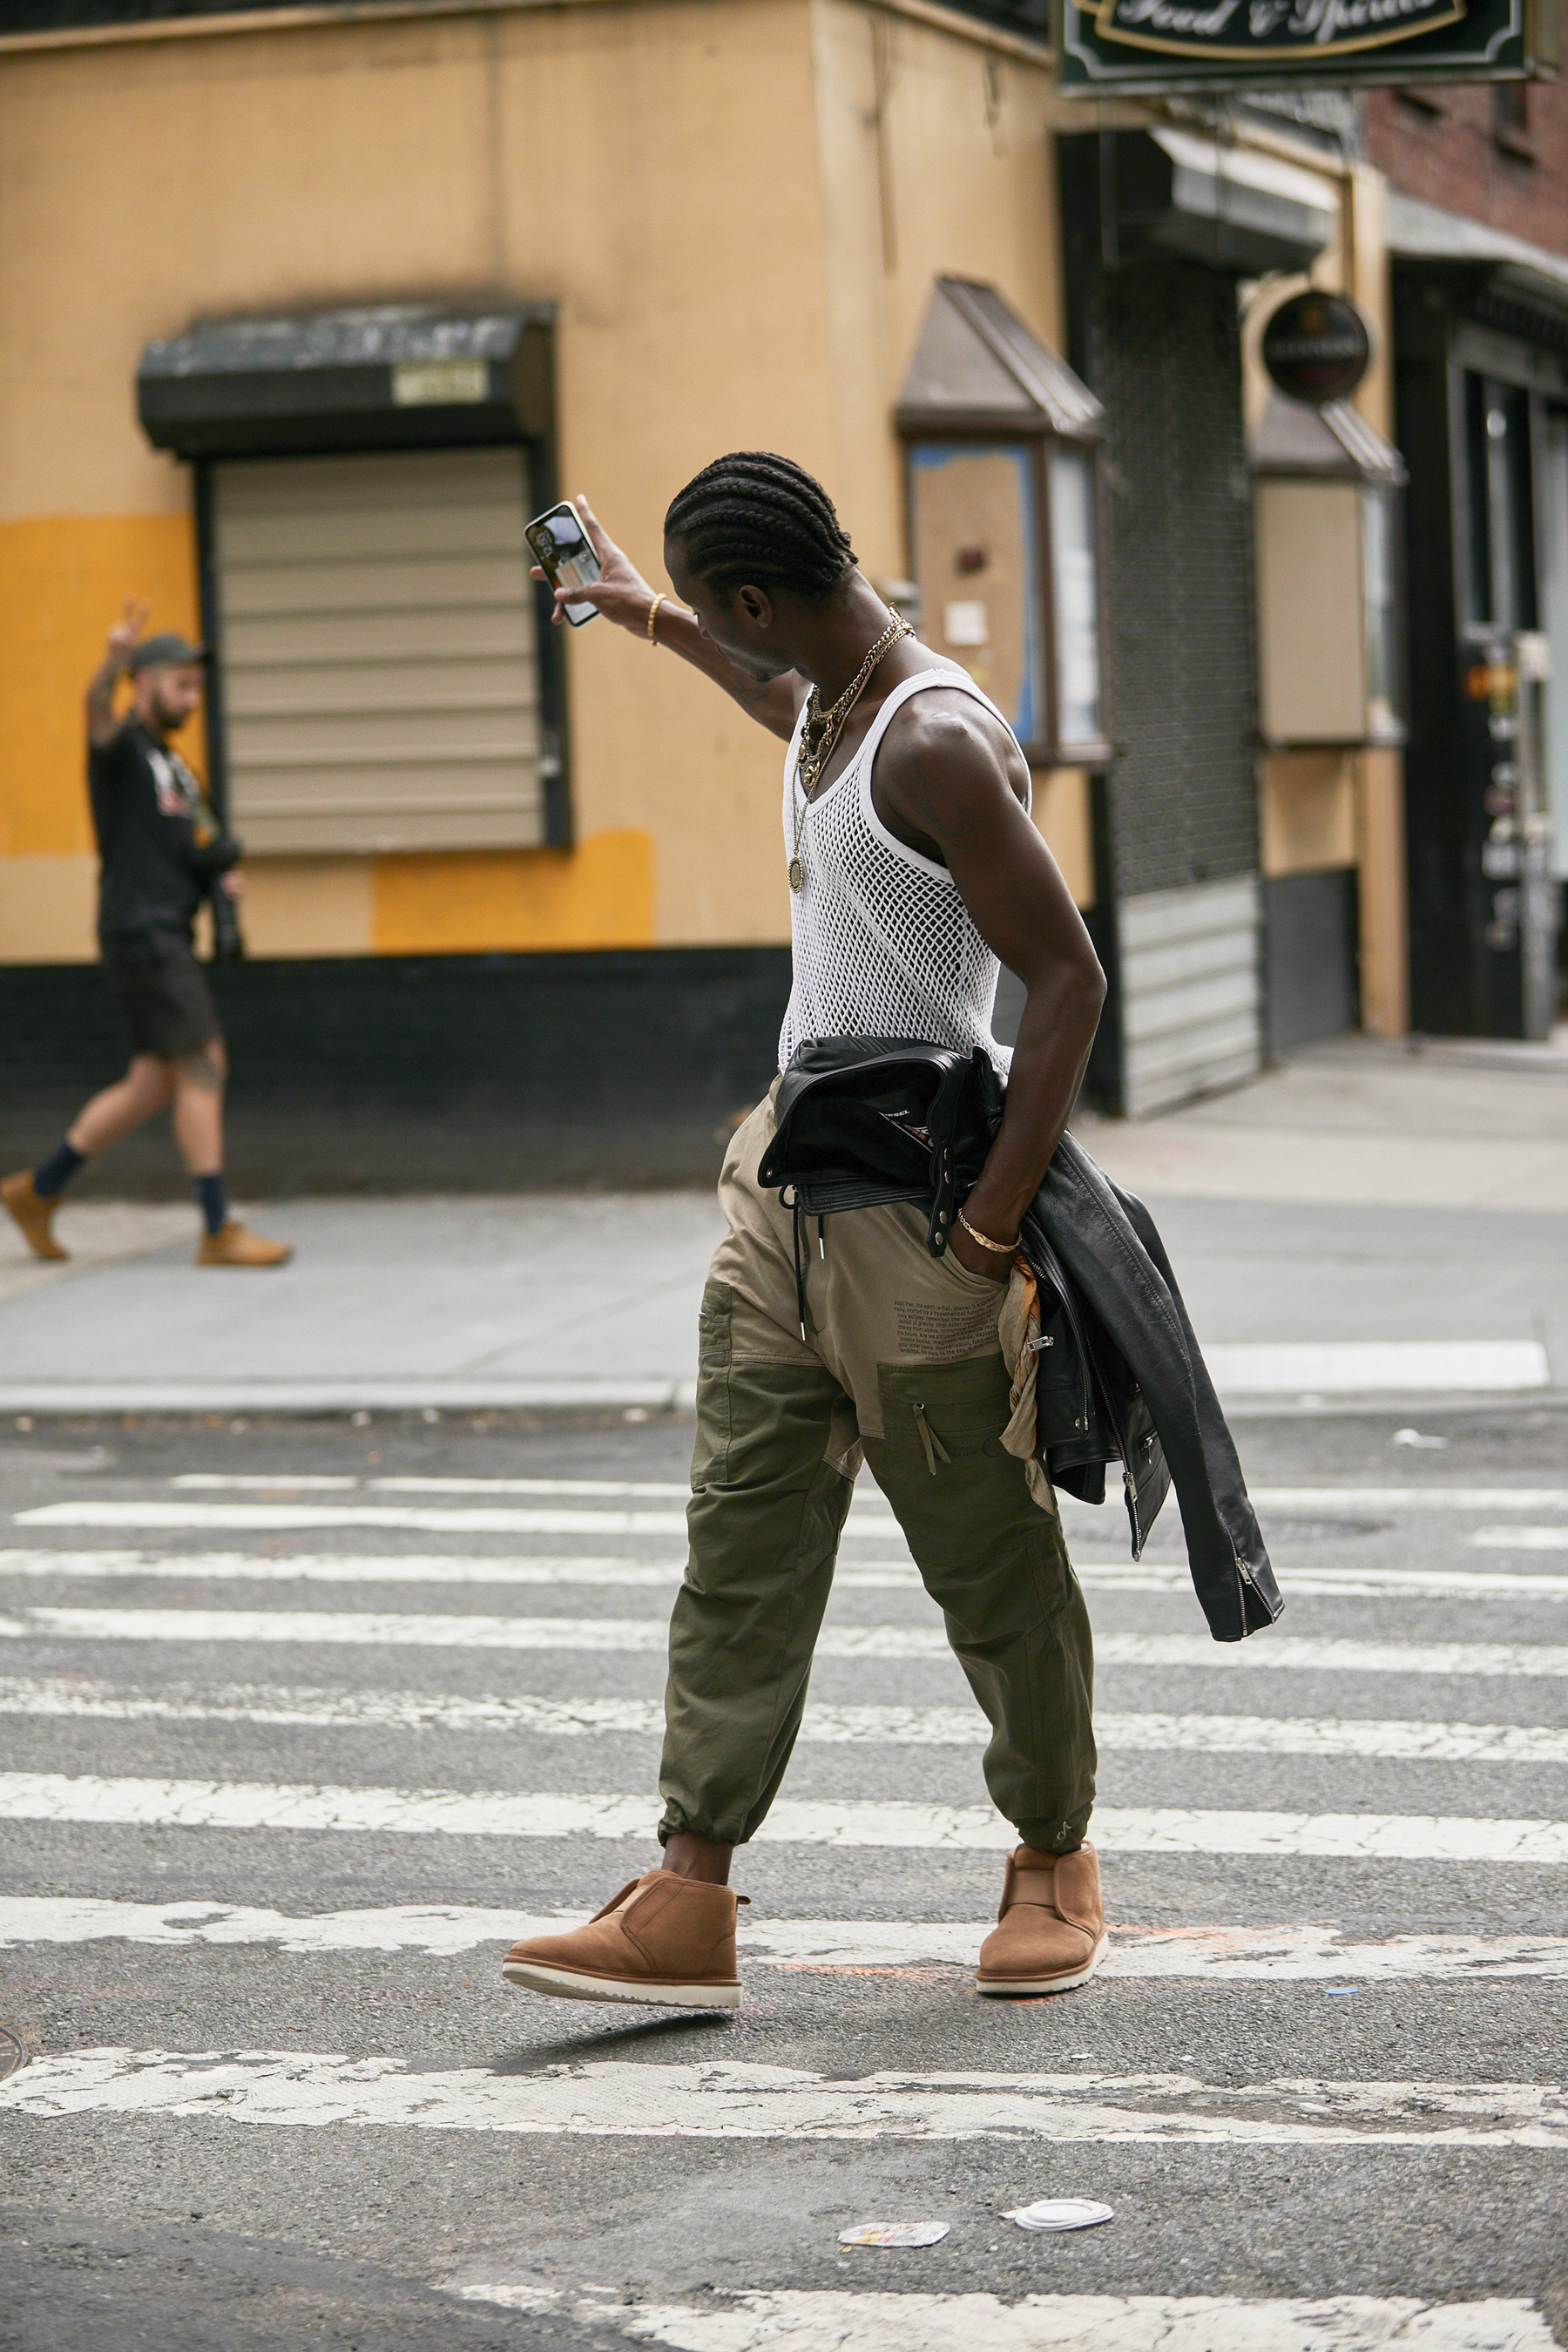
(1183, 795)
(377, 646)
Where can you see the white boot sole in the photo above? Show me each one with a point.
(1047, 1984)
(567, 1986)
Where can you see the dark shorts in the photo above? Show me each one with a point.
(163, 991)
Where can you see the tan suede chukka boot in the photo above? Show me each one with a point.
(236, 1244)
(32, 1214)
(1051, 1926)
(663, 1939)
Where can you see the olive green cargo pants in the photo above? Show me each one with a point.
(901, 1368)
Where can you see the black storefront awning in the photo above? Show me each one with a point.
(1500, 279)
(395, 375)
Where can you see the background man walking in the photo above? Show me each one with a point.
(913, 867)
(161, 853)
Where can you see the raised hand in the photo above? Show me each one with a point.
(620, 593)
(128, 632)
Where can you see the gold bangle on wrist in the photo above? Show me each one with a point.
(653, 615)
(1002, 1249)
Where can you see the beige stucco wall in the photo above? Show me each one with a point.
(1349, 809)
(935, 161)
(741, 239)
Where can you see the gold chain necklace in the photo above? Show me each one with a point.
(821, 733)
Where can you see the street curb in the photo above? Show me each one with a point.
(84, 1398)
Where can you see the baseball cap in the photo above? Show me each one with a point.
(168, 650)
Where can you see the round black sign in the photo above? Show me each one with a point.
(1316, 346)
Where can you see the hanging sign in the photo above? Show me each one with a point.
(1154, 47)
(1316, 346)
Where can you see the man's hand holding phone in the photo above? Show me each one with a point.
(620, 593)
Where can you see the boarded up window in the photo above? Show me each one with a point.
(379, 674)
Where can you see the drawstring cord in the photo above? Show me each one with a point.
(802, 1257)
(929, 1440)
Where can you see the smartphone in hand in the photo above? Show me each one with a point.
(564, 554)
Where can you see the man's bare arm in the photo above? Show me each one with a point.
(942, 775)
(123, 639)
(623, 595)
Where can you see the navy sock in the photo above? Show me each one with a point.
(208, 1190)
(53, 1174)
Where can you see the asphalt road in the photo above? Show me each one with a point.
(1320, 2083)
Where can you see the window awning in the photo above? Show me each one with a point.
(395, 375)
(976, 366)
(1333, 442)
(1233, 209)
(1482, 259)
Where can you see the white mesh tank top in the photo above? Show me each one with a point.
(884, 945)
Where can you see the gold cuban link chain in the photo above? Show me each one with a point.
(821, 733)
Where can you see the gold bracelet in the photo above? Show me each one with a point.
(653, 615)
(1003, 1249)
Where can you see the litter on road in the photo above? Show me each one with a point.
(1062, 2213)
(894, 2233)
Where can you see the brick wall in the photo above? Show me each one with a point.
(1467, 150)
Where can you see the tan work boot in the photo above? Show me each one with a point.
(663, 1939)
(236, 1244)
(1051, 1932)
(32, 1212)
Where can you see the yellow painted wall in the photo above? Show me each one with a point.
(309, 906)
(48, 909)
(727, 283)
(532, 899)
(935, 161)
(62, 577)
(1307, 807)
(1062, 815)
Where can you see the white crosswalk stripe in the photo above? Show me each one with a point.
(495, 1518)
(736, 2101)
(1414, 1739)
(493, 1537)
(231, 1804)
(1270, 1651)
(794, 2319)
(1285, 1954)
(592, 1569)
(480, 1519)
(1284, 1498)
(252, 1481)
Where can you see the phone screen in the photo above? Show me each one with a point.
(565, 556)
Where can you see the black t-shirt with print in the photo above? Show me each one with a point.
(158, 855)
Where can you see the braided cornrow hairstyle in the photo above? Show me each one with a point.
(754, 520)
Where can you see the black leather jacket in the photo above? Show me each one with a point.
(866, 1119)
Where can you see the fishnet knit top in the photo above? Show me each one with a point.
(884, 945)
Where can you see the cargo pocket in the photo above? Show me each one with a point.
(962, 1499)
(715, 1431)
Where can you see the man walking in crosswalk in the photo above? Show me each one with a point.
(913, 869)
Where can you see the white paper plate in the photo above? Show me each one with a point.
(1061, 2213)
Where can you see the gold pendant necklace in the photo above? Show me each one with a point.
(821, 733)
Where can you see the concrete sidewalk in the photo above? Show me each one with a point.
(1365, 1221)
